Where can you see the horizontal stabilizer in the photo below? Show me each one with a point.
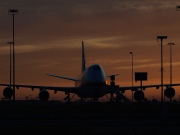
(112, 75)
(63, 77)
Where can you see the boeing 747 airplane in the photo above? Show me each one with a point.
(91, 83)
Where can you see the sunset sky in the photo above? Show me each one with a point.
(48, 36)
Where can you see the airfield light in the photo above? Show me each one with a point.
(132, 75)
(161, 38)
(13, 12)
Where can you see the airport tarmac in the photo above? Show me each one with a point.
(30, 117)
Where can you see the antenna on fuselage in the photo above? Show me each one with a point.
(83, 58)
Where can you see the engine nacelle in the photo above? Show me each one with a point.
(44, 95)
(138, 95)
(8, 92)
(169, 92)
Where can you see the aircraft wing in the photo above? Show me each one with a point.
(74, 90)
(146, 86)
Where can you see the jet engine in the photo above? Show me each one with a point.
(138, 95)
(8, 92)
(44, 95)
(169, 92)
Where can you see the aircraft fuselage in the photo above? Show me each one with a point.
(92, 82)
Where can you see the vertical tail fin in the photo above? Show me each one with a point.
(83, 58)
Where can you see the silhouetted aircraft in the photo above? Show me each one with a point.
(91, 83)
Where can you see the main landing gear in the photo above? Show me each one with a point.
(68, 98)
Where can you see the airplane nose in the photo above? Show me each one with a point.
(95, 74)
(96, 77)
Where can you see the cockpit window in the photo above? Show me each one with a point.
(96, 68)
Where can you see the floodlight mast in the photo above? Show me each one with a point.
(170, 44)
(162, 92)
(13, 12)
(10, 62)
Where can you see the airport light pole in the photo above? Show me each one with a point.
(132, 74)
(161, 38)
(170, 44)
(13, 12)
(10, 61)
